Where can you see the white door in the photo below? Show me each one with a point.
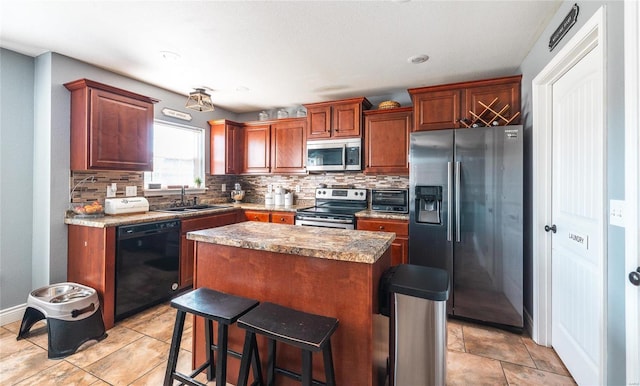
(578, 194)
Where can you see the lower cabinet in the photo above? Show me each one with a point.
(187, 247)
(266, 216)
(400, 246)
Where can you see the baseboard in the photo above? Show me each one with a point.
(12, 314)
(528, 323)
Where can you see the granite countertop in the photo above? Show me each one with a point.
(383, 215)
(325, 243)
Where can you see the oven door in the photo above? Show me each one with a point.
(311, 221)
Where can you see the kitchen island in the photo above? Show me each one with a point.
(330, 272)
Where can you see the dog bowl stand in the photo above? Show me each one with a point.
(73, 317)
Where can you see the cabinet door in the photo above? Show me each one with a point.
(400, 246)
(187, 247)
(347, 119)
(256, 215)
(288, 144)
(283, 218)
(319, 122)
(506, 94)
(386, 138)
(226, 143)
(437, 110)
(257, 149)
(121, 132)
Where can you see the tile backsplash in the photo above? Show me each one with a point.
(255, 187)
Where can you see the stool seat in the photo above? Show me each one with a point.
(211, 304)
(308, 332)
(225, 309)
(296, 328)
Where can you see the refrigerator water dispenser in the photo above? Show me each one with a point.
(429, 204)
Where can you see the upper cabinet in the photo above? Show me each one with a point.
(386, 141)
(458, 105)
(288, 144)
(257, 148)
(111, 129)
(336, 119)
(227, 144)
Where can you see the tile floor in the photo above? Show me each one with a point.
(136, 349)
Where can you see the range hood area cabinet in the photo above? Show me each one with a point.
(336, 119)
(386, 141)
(445, 106)
(111, 128)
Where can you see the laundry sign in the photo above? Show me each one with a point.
(581, 240)
(564, 27)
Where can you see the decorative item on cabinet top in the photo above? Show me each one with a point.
(388, 105)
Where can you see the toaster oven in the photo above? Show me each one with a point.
(390, 200)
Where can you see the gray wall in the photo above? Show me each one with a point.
(16, 165)
(34, 242)
(537, 59)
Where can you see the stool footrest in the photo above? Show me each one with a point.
(296, 376)
(184, 379)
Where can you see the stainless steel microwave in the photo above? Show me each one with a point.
(334, 155)
(390, 200)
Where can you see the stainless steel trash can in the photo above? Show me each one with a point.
(418, 325)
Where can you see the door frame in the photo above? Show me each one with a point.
(591, 35)
(632, 182)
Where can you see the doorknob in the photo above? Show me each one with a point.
(552, 228)
(634, 277)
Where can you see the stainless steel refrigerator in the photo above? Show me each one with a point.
(466, 217)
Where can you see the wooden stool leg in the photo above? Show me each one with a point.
(247, 355)
(208, 337)
(221, 376)
(307, 368)
(329, 372)
(175, 348)
(271, 363)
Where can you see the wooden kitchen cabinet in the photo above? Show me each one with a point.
(336, 119)
(187, 247)
(386, 141)
(257, 148)
(268, 216)
(400, 246)
(448, 106)
(91, 261)
(226, 144)
(111, 129)
(288, 144)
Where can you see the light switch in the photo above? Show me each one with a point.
(111, 190)
(224, 187)
(131, 191)
(616, 213)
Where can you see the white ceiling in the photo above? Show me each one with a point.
(284, 53)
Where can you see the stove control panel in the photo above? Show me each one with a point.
(341, 194)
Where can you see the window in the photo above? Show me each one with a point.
(178, 155)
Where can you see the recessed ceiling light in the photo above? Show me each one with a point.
(417, 59)
(169, 56)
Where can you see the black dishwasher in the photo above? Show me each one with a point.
(147, 264)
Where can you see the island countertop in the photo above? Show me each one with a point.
(326, 243)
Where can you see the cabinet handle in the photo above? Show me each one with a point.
(381, 227)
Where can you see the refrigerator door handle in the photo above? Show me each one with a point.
(449, 200)
(457, 189)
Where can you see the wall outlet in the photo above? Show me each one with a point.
(131, 191)
(111, 190)
(269, 188)
(224, 187)
(616, 213)
(297, 188)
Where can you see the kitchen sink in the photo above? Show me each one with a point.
(191, 208)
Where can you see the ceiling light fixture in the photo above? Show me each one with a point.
(417, 59)
(199, 100)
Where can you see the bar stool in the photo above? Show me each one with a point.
(309, 332)
(216, 306)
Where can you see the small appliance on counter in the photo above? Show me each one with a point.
(126, 205)
(390, 200)
(237, 194)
